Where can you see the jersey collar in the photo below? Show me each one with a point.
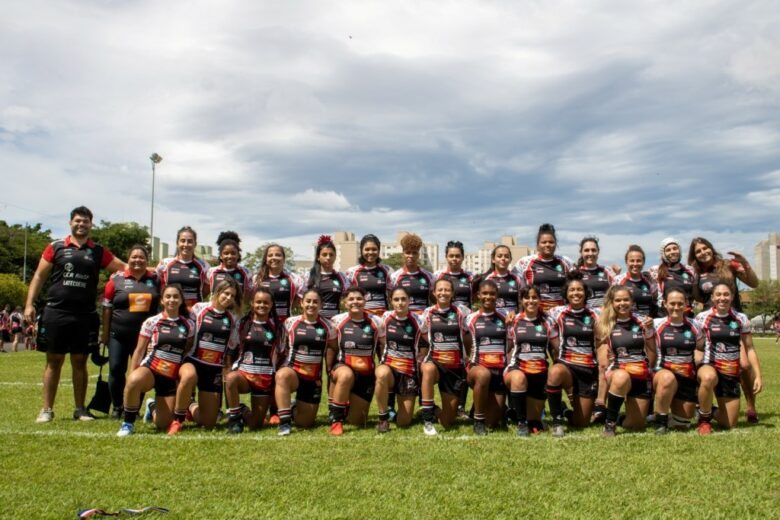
(69, 242)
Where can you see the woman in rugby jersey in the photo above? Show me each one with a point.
(185, 269)
(727, 333)
(575, 365)
(307, 337)
(629, 342)
(532, 336)
(255, 363)
(330, 283)
(644, 290)
(508, 283)
(162, 344)
(672, 273)
(359, 337)
(545, 270)
(229, 267)
(130, 297)
(411, 276)
(488, 331)
(286, 286)
(371, 275)
(444, 325)
(216, 336)
(679, 381)
(597, 278)
(398, 371)
(459, 277)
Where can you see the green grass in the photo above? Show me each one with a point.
(52, 470)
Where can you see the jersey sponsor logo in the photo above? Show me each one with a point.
(139, 302)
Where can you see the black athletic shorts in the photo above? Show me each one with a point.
(641, 388)
(585, 379)
(536, 383)
(687, 389)
(727, 387)
(364, 386)
(164, 386)
(209, 377)
(404, 385)
(61, 332)
(451, 380)
(308, 391)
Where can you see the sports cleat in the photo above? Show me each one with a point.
(661, 430)
(174, 428)
(751, 416)
(148, 417)
(236, 426)
(392, 414)
(429, 428)
(609, 429)
(126, 429)
(462, 414)
(479, 428)
(46, 415)
(704, 428)
(116, 413)
(383, 426)
(599, 415)
(82, 414)
(558, 431)
(273, 420)
(522, 430)
(337, 429)
(284, 430)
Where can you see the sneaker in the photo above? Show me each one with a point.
(235, 426)
(174, 428)
(522, 430)
(751, 416)
(392, 414)
(82, 414)
(679, 424)
(479, 428)
(116, 413)
(650, 419)
(46, 415)
(429, 428)
(704, 428)
(284, 430)
(599, 415)
(558, 431)
(536, 430)
(383, 426)
(462, 414)
(274, 420)
(149, 410)
(661, 430)
(337, 429)
(126, 429)
(609, 429)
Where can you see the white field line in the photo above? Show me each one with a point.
(23, 383)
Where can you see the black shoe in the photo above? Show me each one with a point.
(479, 428)
(116, 413)
(662, 430)
(599, 415)
(609, 429)
(235, 426)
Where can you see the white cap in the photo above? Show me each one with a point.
(665, 242)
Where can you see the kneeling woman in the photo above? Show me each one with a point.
(398, 372)
(351, 367)
(444, 323)
(575, 366)
(630, 342)
(167, 337)
(531, 336)
(216, 337)
(680, 346)
(256, 361)
(487, 328)
(727, 333)
(307, 337)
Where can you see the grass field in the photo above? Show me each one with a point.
(53, 470)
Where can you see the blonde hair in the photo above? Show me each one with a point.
(608, 316)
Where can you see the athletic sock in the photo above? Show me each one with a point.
(285, 415)
(614, 402)
(179, 415)
(391, 400)
(555, 399)
(662, 419)
(384, 416)
(464, 394)
(705, 417)
(131, 414)
(427, 410)
(234, 413)
(519, 403)
(337, 411)
(479, 417)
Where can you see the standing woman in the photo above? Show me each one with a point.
(330, 283)
(255, 365)
(185, 269)
(16, 324)
(597, 278)
(216, 337)
(444, 324)
(229, 267)
(532, 337)
(398, 373)
(545, 270)
(500, 273)
(575, 366)
(307, 337)
(351, 366)
(629, 341)
(459, 277)
(672, 273)
(487, 360)
(727, 334)
(130, 298)
(164, 340)
(371, 275)
(644, 290)
(416, 280)
(283, 284)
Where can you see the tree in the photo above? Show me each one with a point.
(396, 260)
(764, 300)
(12, 291)
(12, 248)
(252, 261)
(119, 237)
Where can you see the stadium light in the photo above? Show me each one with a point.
(156, 159)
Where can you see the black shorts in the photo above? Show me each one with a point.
(687, 389)
(451, 380)
(209, 377)
(6, 335)
(727, 387)
(364, 386)
(309, 391)
(641, 388)
(496, 385)
(164, 386)
(61, 332)
(585, 380)
(16, 330)
(536, 383)
(404, 385)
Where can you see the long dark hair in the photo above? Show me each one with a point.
(246, 321)
(186, 229)
(262, 273)
(363, 241)
(479, 278)
(585, 240)
(183, 311)
(315, 273)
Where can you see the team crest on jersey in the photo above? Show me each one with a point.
(149, 283)
(423, 280)
(283, 282)
(644, 288)
(451, 315)
(380, 274)
(687, 334)
(512, 283)
(601, 274)
(635, 328)
(720, 347)
(586, 320)
(182, 329)
(226, 321)
(732, 325)
(237, 275)
(685, 276)
(320, 331)
(408, 329)
(538, 328)
(367, 329)
(559, 268)
(336, 283)
(194, 270)
(463, 279)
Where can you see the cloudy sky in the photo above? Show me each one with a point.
(458, 120)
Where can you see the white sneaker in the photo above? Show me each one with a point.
(46, 415)
(148, 417)
(125, 430)
(429, 428)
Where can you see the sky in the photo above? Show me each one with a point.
(462, 120)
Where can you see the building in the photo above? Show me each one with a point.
(160, 249)
(767, 253)
(479, 262)
(347, 250)
(205, 253)
(302, 267)
(429, 254)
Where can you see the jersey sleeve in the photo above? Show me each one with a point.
(249, 280)
(234, 340)
(107, 258)
(522, 266)
(48, 253)
(331, 329)
(552, 330)
(300, 286)
(108, 293)
(190, 328)
(745, 326)
(567, 263)
(380, 326)
(148, 326)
